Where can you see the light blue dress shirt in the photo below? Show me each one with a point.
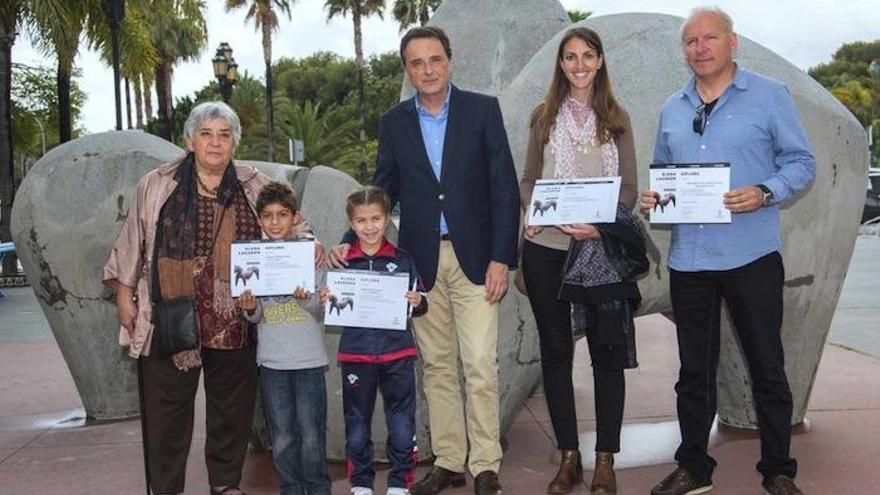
(754, 126)
(434, 136)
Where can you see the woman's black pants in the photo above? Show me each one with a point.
(542, 272)
(169, 397)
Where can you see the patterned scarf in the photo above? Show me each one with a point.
(178, 266)
(575, 132)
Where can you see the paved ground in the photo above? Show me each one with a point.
(46, 449)
(856, 324)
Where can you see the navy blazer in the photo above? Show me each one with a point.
(477, 191)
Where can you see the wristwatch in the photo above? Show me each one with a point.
(768, 195)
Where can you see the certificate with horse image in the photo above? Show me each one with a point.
(565, 202)
(272, 268)
(690, 192)
(362, 298)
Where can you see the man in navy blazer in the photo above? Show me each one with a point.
(444, 156)
(473, 193)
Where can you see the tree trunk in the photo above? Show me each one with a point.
(270, 118)
(423, 14)
(65, 52)
(148, 98)
(127, 103)
(163, 91)
(114, 42)
(138, 102)
(63, 85)
(7, 168)
(359, 65)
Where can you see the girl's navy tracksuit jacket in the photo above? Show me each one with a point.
(380, 359)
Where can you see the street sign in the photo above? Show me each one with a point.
(296, 150)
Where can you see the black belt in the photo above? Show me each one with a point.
(445, 237)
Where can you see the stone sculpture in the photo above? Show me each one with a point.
(493, 40)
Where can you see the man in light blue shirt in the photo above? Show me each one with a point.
(726, 113)
(434, 136)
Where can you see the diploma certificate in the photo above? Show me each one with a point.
(362, 298)
(272, 268)
(690, 192)
(564, 202)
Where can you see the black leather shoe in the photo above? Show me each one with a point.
(682, 482)
(436, 480)
(227, 490)
(486, 483)
(781, 485)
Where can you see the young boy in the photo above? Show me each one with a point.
(292, 359)
(375, 358)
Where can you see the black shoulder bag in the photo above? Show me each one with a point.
(175, 325)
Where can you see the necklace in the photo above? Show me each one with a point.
(211, 191)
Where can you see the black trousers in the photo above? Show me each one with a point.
(169, 398)
(542, 272)
(753, 294)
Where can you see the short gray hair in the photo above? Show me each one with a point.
(725, 18)
(211, 110)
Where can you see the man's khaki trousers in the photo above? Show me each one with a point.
(460, 332)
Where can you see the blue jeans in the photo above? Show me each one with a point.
(296, 410)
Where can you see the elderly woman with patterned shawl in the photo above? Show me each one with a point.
(175, 243)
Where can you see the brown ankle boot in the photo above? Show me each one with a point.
(570, 473)
(604, 481)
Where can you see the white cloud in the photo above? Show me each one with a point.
(806, 33)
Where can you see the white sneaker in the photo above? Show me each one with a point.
(397, 491)
(361, 490)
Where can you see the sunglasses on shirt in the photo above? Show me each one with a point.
(700, 120)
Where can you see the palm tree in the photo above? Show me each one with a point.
(577, 15)
(55, 28)
(147, 82)
(178, 34)
(14, 14)
(359, 9)
(10, 19)
(408, 12)
(265, 19)
(137, 53)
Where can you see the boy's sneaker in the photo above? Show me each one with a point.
(397, 491)
(681, 482)
(361, 490)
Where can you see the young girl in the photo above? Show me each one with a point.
(292, 359)
(380, 359)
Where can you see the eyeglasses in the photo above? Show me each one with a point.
(700, 120)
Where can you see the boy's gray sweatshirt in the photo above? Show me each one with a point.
(289, 333)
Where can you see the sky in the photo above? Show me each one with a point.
(806, 33)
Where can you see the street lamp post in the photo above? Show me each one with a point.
(874, 70)
(225, 70)
(115, 10)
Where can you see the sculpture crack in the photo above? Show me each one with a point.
(120, 211)
(806, 280)
(519, 348)
(51, 291)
